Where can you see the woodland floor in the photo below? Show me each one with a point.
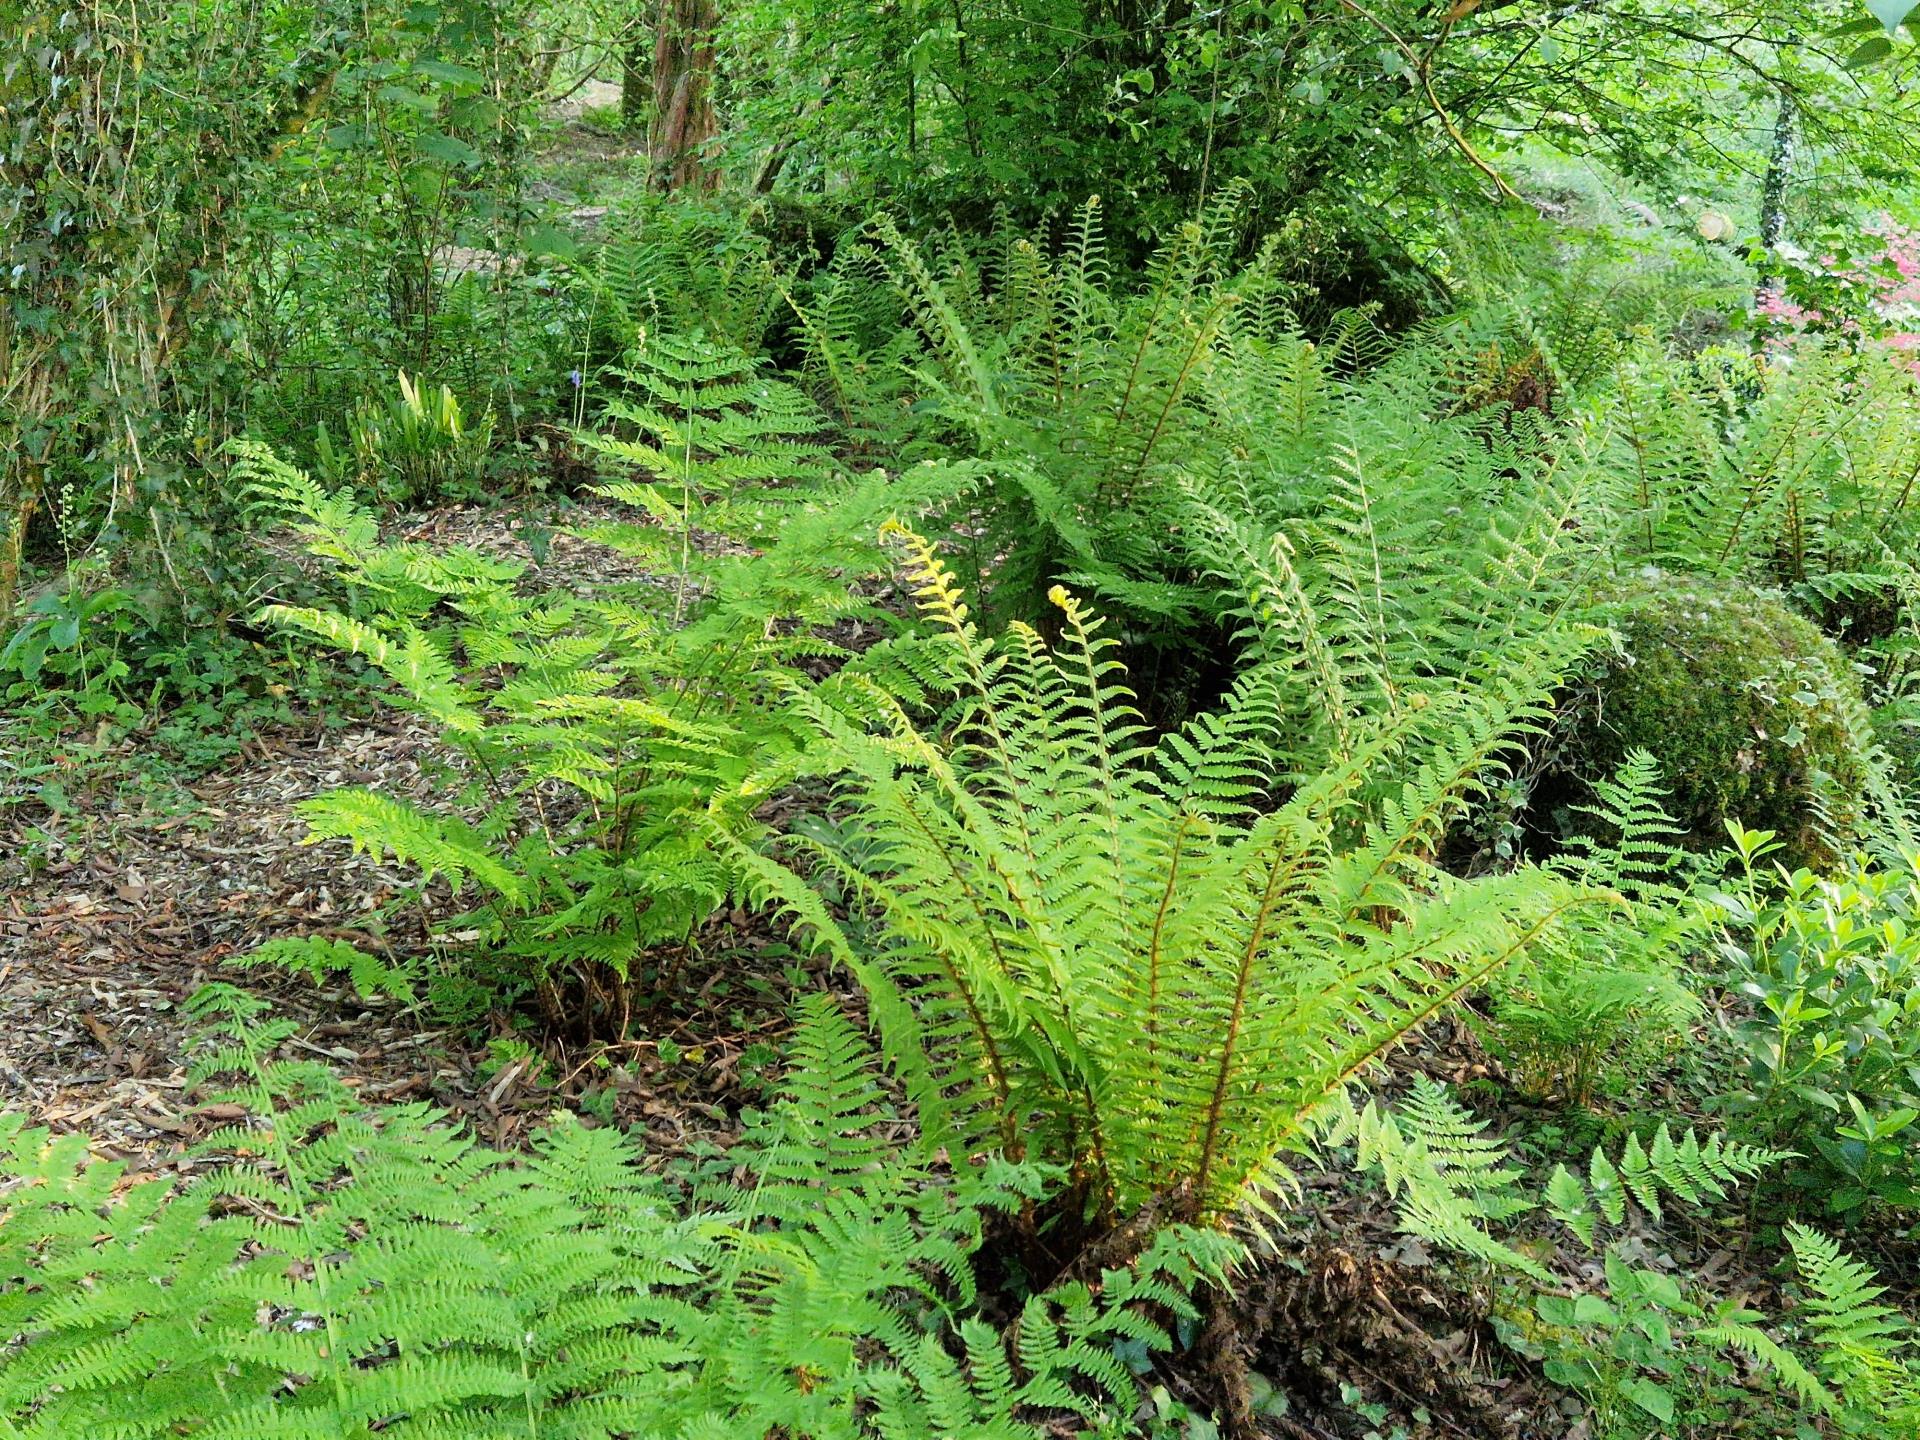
(120, 908)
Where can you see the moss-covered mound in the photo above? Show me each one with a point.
(1750, 710)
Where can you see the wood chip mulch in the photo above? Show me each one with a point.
(117, 909)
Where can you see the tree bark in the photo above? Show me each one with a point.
(1773, 200)
(683, 119)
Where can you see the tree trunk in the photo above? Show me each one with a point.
(1773, 202)
(19, 498)
(683, 120)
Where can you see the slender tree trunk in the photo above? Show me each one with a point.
(1773, 200)
(19, 498)
(25, 401)
(683, 119)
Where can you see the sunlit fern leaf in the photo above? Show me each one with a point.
(1118, 958)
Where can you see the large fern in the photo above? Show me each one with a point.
(1127, 959)
(602, 740)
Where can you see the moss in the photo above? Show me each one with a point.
(1750, 710)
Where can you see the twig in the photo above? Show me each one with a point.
(1423, 72)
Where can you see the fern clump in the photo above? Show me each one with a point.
(679, 267)
(350, 1274)
(1603, 1005)
(1079, 388)
(367, 1273)
(605, 741)
(1752, 714)
(1133, 959)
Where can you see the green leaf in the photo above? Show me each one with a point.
(1661, 1289)
(447, 73)
(552, 240)
(1650, 1398)
(1861, 26)
(1592, 1310)
(409, 99)
(1567, 1199)
(27, 651)
(447, 149)
(1871, 52)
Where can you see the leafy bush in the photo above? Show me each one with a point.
(1827, 972)
(71, 639)
(415, 447)
(379, 1273)
(1752, 713)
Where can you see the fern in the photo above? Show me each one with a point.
(1604, 1004)
(1865, 1348)
(1452, 1182)
(683, 267)
(1454, 1186)
(1078, 392)
(1688, 1170)
(1118, 966)
(604, 742)
(1377, 551)
(348, 1274)
(320, 958)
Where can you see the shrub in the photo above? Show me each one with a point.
(1753, 714)
(1829, 973)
